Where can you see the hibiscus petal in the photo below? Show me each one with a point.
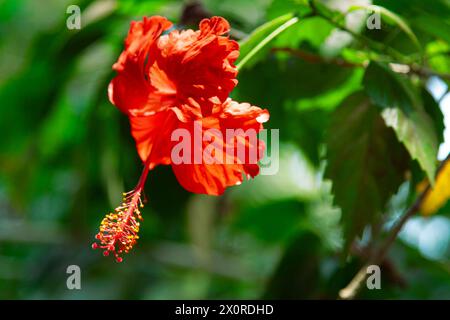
(201, 64)
(233, 132)
(130, 89)
(153, 135)
(209, 179)
(249, 119)
(215, 25)
(238, 115)
(141, 37)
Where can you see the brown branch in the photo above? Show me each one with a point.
(425, 72)
(388, 266)
(421, 71)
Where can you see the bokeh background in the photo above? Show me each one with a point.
(66, 155)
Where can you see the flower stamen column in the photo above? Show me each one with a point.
(119, 229)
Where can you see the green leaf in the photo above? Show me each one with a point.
(430, 17)
(262, 36)
(366, 163)
(280, 7)
(402, 110)
(396, 19)
(416, 131)
(438, 55)
(308, 34)
(434, 26)
(434, 111)
(312, 31)
(387, 89)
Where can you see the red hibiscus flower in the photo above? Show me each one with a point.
(174, 88)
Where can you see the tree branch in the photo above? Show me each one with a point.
(352, 289)
(413, 67)
(378, 46)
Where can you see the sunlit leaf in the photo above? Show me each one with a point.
(402, 110)
(262, 36)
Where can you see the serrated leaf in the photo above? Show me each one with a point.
(366, 163)
(261, 36)
(416, 131)
(402, 110)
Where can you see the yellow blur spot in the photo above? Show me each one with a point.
(439, 195)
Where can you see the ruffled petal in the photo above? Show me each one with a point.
(249, 119)
(130, 90)
(140, 39)
(243, 115)
(233, 134)
(215, 25)
(201, 64)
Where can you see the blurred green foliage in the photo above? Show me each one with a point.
(67, 154)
